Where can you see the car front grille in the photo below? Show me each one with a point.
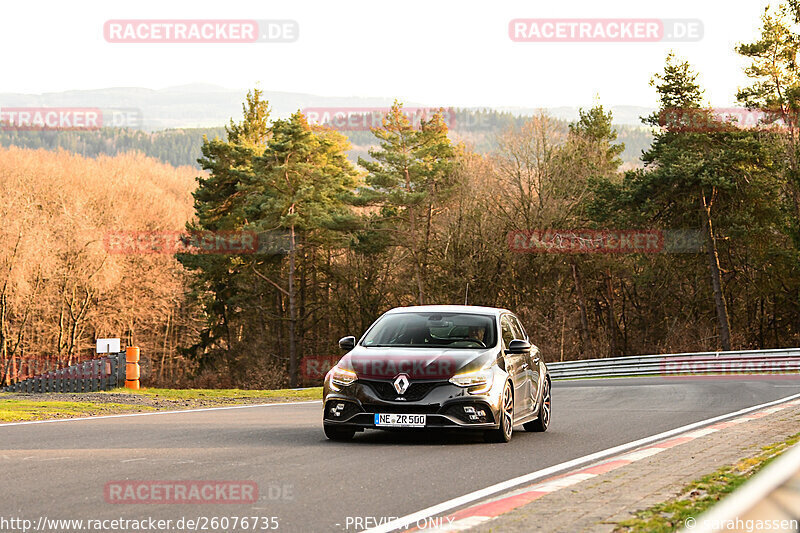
(416, 391)
(404, 409)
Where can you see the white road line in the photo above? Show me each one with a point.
(702, 432)
(199, 410)
(563, 482)
(411, 519)
(641, 454)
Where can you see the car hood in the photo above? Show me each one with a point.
(416, 363)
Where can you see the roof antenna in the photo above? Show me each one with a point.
(466, 294)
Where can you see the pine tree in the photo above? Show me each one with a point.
(298, 185)
(409, 176)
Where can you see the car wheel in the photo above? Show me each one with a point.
(503, 433)
(543, 418)
(337, 433)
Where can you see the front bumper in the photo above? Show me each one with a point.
(442, 402)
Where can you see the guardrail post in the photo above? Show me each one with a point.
(86, 376)
(113, 375)
(95, 364)
(121, 366)
(102, 374)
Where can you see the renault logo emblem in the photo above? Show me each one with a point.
(401, 384)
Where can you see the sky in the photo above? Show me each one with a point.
(440, 52)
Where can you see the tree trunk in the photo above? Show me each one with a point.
(164, 348)
(612, 319)
(716, 279)
(292, 313)
(585, 345)
(415, 252)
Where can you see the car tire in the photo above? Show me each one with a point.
(543, 416)
(503, 433)
(339, 433)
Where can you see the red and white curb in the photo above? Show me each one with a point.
(478, 514)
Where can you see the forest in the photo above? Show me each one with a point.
(421, 217)
(181, 146)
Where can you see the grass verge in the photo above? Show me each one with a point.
(313, 393)
(26, 410)
(16, 407)
(701, 494)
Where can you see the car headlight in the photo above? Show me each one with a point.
(342, 376)
(478, 381)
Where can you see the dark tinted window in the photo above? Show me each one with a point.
(421, 330)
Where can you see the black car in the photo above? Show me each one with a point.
(439, 367)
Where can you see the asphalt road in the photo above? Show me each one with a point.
(59, 470)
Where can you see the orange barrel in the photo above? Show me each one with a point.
(132, 354)
(132, 372)
(132, 367)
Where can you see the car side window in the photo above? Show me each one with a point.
(519, 328)
(507, 331)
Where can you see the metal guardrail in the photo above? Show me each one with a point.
(781, 361)
(771, 497)
(109, 372)
(104, 373)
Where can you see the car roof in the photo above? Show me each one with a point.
(473, 309)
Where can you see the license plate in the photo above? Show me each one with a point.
(397, 420)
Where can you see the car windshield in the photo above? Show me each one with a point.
(425, 330)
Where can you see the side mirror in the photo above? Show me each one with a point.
(348, 343)
(518, 346)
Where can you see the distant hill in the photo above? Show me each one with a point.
(204, 105)
(177, 147)
(170, 123)
(185, 106)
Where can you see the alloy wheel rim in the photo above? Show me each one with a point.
(508, 411)
(546, 405)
